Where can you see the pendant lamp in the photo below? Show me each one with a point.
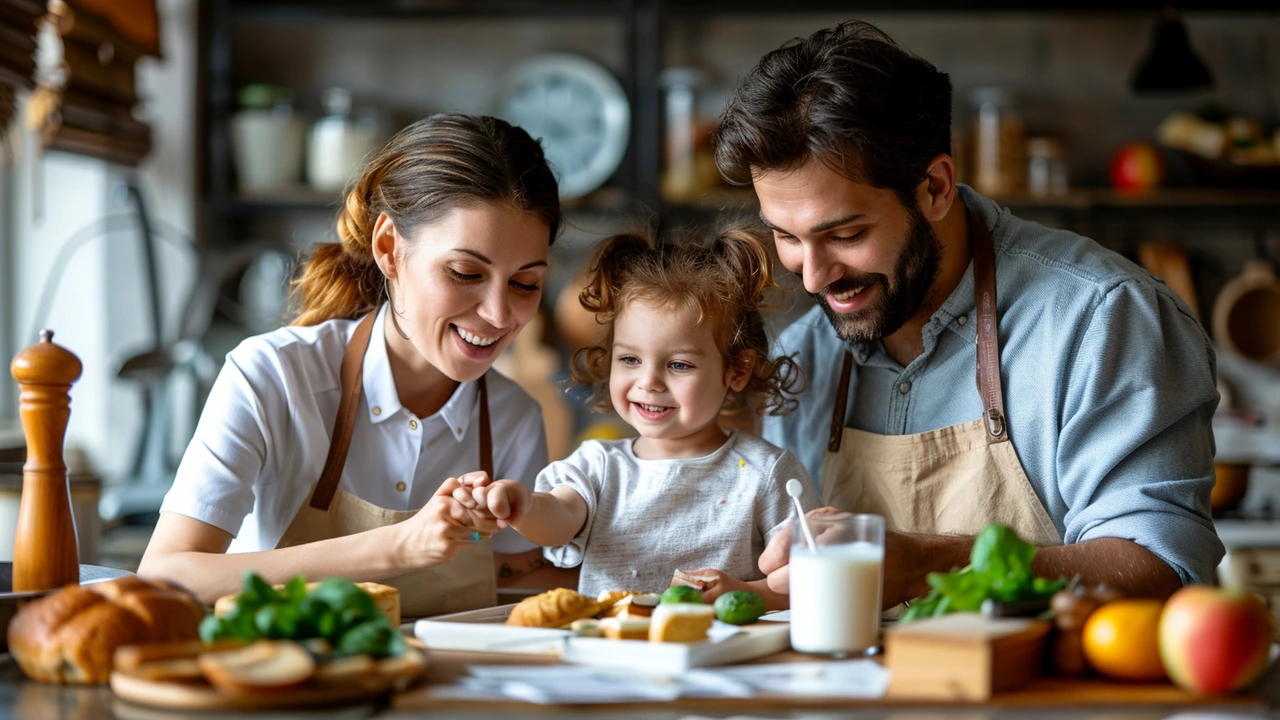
(1171, 65)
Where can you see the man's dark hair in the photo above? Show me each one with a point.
(849, 96)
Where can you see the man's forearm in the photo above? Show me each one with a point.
(1121, 564)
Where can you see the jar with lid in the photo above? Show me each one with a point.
(999, 161)
(1046, 167)
(689, 165)
(266, 140)
(339, 141)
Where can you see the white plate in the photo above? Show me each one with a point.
(484, 631)
(750, 642)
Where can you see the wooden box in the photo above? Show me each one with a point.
(963, 656)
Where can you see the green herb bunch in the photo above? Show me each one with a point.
(337, 610)
(999, 568)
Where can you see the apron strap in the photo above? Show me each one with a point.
(984, 288)
(842, 399)
(344, 424)
(486, 439)
(352, 384)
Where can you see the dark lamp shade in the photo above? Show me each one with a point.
(1172, 65)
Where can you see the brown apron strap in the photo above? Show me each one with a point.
(352, 384)
(486, 439)
(842, 399)
(344, 424)
(984, 290)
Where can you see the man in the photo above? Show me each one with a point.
(1089, 429)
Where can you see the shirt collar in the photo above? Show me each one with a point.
(380, 387)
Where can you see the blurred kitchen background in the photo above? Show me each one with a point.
(168, 161)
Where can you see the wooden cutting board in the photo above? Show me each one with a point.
(200, 695)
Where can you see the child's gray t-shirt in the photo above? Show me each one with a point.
(645, 518)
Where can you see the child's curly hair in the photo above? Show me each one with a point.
(723, 283)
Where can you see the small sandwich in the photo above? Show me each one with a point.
(618, 628)
(681, 622)
(638, 606)
(702, 582)
(610, 599)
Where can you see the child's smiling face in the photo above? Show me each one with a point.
(667, 379)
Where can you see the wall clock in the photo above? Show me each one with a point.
(579, 112)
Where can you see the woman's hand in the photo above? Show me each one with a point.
(505, 501)
(436, 533)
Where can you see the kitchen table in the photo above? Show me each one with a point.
(1045, 699)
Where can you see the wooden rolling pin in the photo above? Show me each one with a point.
(44, 544)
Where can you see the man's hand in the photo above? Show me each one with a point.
(774, 559)
(505, 501)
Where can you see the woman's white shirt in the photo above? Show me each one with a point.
(264, 433)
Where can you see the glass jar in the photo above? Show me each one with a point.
(684, 172)
(340, 141)
(999, 161)
(1046, 167)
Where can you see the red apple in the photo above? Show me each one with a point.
(1214, 640)
(1137, 166)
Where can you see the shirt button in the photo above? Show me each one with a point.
(377, 411)
(400, 486)
(458, 430)
(413, 424)
(962, 320)
(904, 387)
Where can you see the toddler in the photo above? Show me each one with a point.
(685, 340)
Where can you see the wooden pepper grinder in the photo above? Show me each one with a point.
(44, 546)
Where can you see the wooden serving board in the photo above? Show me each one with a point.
(198, 694)
(202, 696)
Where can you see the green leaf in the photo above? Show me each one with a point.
(295, 590)
(212, 629)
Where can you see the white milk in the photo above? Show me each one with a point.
(835, 597)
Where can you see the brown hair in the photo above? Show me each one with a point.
(722, 283)
(428, 169)
(849, 96)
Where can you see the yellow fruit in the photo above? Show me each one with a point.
(1121, 640)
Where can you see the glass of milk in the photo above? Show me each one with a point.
(836, 587)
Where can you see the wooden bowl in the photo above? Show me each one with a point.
(1246, 315)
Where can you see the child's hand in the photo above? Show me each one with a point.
(504, 500)
(713, 589)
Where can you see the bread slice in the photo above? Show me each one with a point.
(681, 622)
(385, 597)
(617, 628)
(264, 666)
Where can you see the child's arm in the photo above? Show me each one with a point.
(726, 583)
(549, 519)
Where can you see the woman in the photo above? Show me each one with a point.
(443, 253)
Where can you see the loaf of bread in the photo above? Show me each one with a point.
(71, 635)
(385, 597)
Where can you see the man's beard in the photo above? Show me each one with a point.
(913, 274)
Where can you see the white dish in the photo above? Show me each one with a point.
(484, 631)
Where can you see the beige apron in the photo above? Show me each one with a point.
(951, 481)
(465, 583)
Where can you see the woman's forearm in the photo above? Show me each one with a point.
(361, 557)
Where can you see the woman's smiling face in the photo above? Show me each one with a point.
(465, 285)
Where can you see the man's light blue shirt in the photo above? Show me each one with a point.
(1109, 386)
